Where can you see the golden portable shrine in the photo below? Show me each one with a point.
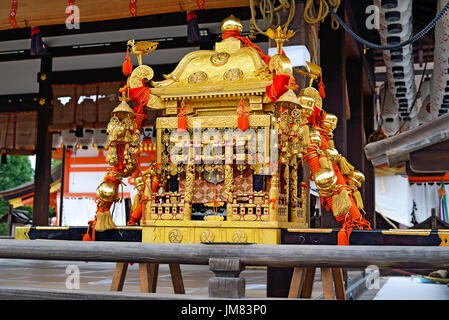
(232, 141)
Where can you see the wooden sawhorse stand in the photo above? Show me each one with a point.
(148, 273)
(302, 283)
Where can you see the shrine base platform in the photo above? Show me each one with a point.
(222, 233)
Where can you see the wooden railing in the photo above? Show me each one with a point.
(228, 260)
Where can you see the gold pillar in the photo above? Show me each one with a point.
(274, 197)
(287, 182)
(229, 189)
(188, 192)
(293, 205)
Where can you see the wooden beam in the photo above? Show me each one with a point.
(48, 12)
(128, 23)
(280, 255)
(19, 103)
(116, 47)
(42, 173)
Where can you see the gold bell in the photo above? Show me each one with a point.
(122, 111)
(360, 177)
(330, 122)
(288, 100)
(308, 99)
(107, 191)
(315, 137)
(325, 179)
(332, 154)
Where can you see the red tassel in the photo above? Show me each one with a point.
(87, 237)
(182, 118)
(321, 88)
(242, 120)
(193, 30)
(343, 239)
(182, 124)
(127, 66)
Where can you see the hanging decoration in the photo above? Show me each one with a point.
(38, 47)
(133, 8)
(193, 30)
(12, 13)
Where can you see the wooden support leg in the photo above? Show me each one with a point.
(297, 283)
(176, 278)
(326, 280)
(308, 283)
(340, 292)
(118, 279)
(154, 270)
(148, 276)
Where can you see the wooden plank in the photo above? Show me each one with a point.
(118, 279)
(176, 278)
(326, 281)
(308, 283)
(340, 291)
(297, 283)
(281, 255)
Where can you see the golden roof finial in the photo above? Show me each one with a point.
(280, 35)
(231, 23)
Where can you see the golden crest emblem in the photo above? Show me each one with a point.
(219, 59)
(175, 236)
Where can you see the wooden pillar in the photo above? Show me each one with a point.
(359, 126)
(333, 65)
(355, 130)
(42, 173)
(278, 281)
(368, 185)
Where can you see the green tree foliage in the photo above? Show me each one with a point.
(14, 173)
